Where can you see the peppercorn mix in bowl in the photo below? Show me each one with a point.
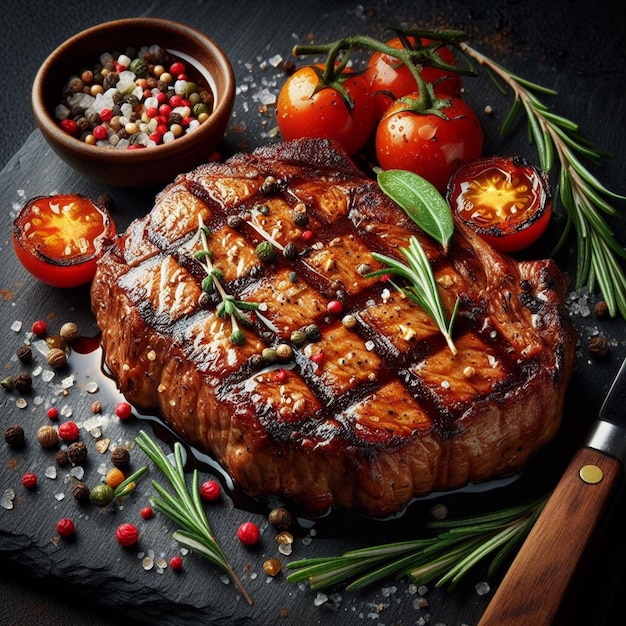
(134, 102)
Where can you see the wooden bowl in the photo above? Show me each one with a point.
(152, 165)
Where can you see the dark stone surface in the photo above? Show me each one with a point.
(576, 47)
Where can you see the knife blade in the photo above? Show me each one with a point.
(546, 569)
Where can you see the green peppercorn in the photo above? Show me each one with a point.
(199, 109)
(269, 355)
(284, 351)
(312, 332)
(266, 252)
(139, 67)
(234, 221)
(293, 277)
(101, 495)
(298, 337)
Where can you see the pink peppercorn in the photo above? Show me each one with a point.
(106, 115)
(176, 563)
(69, 431)
(65, 527)
(175, 101)
(177, 68)
(123, 410)
(210, 490)
(100, 132)
(147, 512)
(29, 480)
(334, 307)
(69, 126)
(317, 358)
(127, 534)
(40, 328)
(307, 235)
(52, 413)
(248, 533)
(165, 110)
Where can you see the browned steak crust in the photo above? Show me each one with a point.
(364, 417)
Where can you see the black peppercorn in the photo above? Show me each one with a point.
(234, 221)
(290, 251)
(24, 353)
(80, 491)
(60, 456)
(120, 457)
(599, 347)
(14, 435)
(280, 518)
(23, 383)
(77, 452)
(269, 185)
(300, 217)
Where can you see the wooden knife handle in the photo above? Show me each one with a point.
(543, 573)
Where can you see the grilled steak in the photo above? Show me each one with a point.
(360, 404)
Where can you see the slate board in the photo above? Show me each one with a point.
(542, 43)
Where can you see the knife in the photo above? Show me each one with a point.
(544, 573)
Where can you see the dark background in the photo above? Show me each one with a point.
(577, 47)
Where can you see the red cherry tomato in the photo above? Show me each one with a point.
(389, 79)
(304, 109)
(430, 145)
(506, 200)
(58, 239)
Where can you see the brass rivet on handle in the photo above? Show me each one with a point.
(591, 474)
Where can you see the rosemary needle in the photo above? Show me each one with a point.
(185, 507)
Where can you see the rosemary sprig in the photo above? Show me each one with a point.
(185, 507)
(585, 199)
(237, 310)
(423, 288)
(445, 558)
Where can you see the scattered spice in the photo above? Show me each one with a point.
(123, 410)
(210, 490)
(601, 309)
(69, 431)
(248, 533)
(14, 435)
(29, 480)
(598, 347)
(77, 452)
(176, 563)
(120, 457)
(69, 331)
(102, 495)
(39, 328)
(24, 353)
(61, 457)
(114, 477)
(272, 567)
(56, 358)
(80, 491)
(23, 383)
(127, 534)
(147, 512)
(65, 527)
(47, 436)
(280, 518)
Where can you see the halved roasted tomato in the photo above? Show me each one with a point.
(506, 200)
(59, 238)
